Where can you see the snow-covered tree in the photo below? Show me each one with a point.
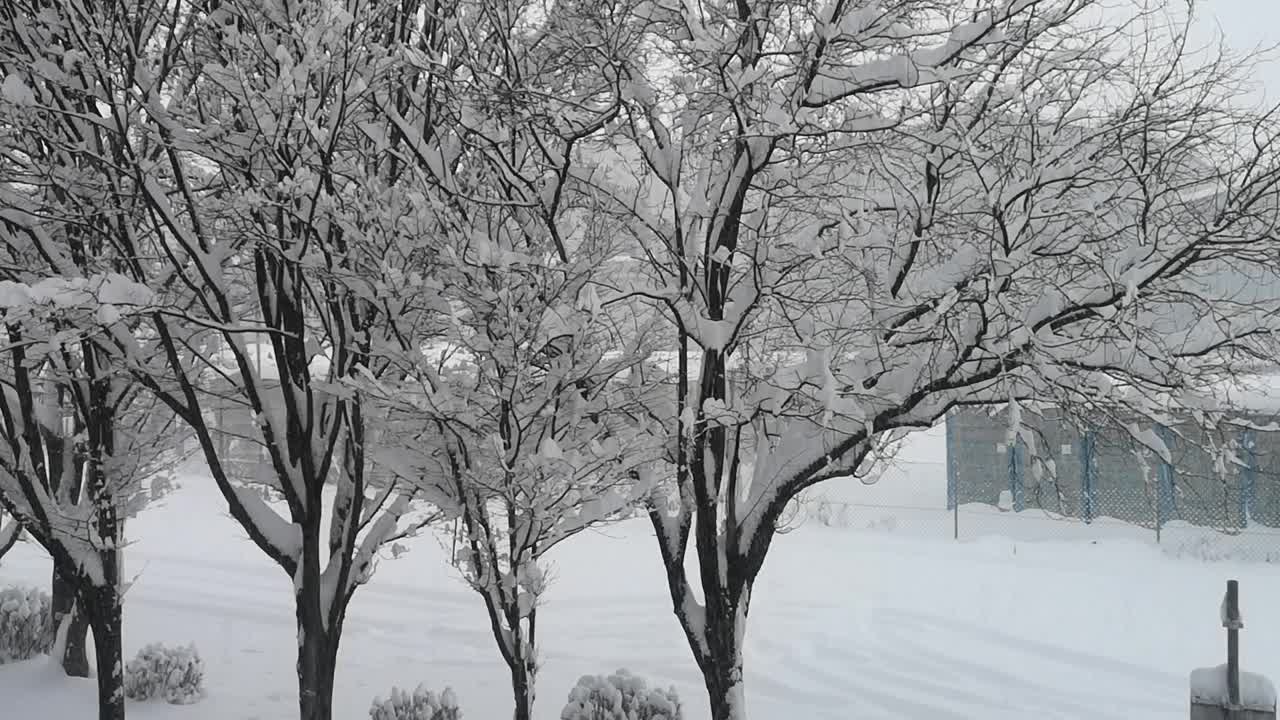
(269, 235)
(523, 405)
(525, 422)
(857, 215)
(81, 448)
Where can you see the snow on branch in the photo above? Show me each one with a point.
(284, 536)
(1043, 213)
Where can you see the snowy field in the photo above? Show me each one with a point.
(846, 623)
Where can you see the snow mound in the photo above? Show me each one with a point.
(1209, 686)
(174, 674)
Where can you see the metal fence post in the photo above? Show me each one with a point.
(1248, 474)
(953, 487)
(1015, 474)
(949, 424)
(1087, 477)
(1166, 505)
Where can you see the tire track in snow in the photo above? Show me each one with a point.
(1055, 653)
(363, 620)
(798, 665)
(900, 669)
(275, 576)
(1002, 691)
(921, 641)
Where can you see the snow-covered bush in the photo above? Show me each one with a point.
(26, 625)
(620, 696)
(175, 674)
(421, 704)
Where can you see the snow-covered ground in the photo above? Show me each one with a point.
(846, 622)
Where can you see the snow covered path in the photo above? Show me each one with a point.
(845, 624)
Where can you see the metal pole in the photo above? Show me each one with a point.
(1087, 469)
(1233, 623)
(953, 480)
(1159, 488)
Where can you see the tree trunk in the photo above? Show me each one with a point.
(75, 654)
(65, 469)
(522, 689)
(721, 666)
(317, 660)
(725, 689)
(102, 605)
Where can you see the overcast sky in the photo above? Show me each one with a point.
(1247, 24)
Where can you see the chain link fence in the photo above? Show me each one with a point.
(964, 480)
(1216, 498)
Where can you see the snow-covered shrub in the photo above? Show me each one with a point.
(421, 704)
(620, 696)
(26, 625)
(174, 674)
